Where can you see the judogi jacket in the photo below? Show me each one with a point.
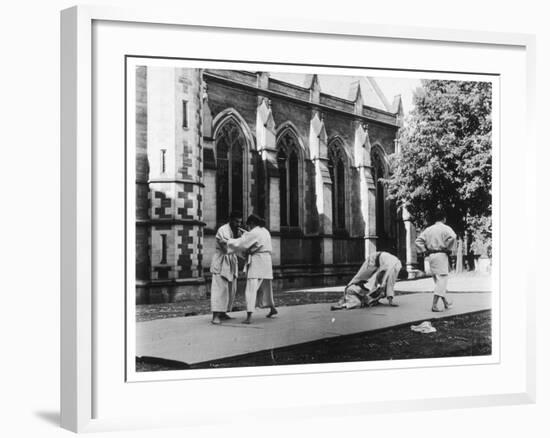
(223, 263)
(380, 261)
(437, 241)
(255, 243)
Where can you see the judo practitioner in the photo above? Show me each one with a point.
(437, 242)
(375, 280)
(255, 244)
(224, 269)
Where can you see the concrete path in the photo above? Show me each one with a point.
(194, 339)
(465, 282)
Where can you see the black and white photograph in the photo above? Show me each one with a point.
(309, 216)
(290, 219)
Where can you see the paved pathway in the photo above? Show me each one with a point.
(466, 282)
(194, 339)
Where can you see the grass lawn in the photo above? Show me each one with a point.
(148, 312)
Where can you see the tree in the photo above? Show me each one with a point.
(445, 160)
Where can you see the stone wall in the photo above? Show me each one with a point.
(176, 176)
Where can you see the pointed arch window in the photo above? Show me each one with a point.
(336, 167)
(230, 147)
(288, 160)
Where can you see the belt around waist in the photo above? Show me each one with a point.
(438, 251)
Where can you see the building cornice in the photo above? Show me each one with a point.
(374, 114)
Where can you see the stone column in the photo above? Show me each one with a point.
(367, 186)
(312, 82)
(323, 184)
(209, 180)
(175, 182)
(266, 144)
(410, 246)
(208, 161)
(411, 258)
(143, 227)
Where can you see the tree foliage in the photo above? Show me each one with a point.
(445, 160)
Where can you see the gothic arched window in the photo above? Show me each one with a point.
(336, 167)
(230, 144)
(288, 160)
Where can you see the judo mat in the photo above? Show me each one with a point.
(193, 339)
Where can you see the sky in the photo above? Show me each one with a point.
(339, 86)
(403, 86)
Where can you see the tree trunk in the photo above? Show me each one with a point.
(469, 254)
(459, 251)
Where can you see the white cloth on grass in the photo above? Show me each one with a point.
(425, 327)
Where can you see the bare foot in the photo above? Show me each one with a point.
(246, 321)
(272, 313)
(448, 305)
(216, 320)
(435, 309)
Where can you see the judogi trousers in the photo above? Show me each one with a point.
(222, 293)
(392, 273)
(439, 265)
(440, 288)
(258, 287)
(392, 279)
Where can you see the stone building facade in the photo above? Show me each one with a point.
(310, 163)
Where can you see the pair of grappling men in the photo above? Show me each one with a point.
(254, 246)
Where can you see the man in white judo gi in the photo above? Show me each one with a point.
(224, 269)
(255, 244)
(437, 242)
(375, 280)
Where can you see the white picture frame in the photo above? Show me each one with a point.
(83, 368)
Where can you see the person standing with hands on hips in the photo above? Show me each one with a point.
(437, 242)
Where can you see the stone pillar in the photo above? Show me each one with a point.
(208, 161)
(143, 227)
(323, 184)
(312, 82)
(266, 144)
(174, 137)
(367, 186)
(410, 246)
(209, 180)
(274, 212)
